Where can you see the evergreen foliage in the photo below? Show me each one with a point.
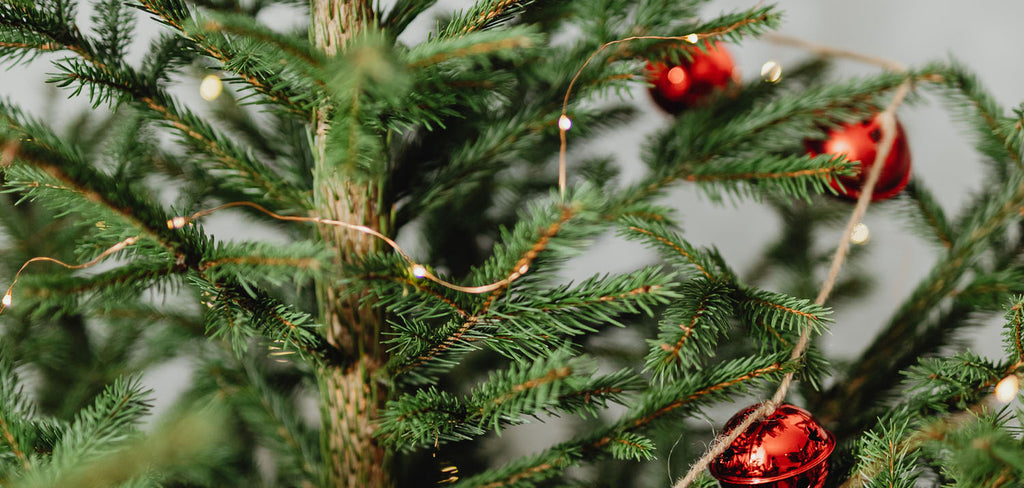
(449, 141)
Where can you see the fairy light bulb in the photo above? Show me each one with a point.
(860, 234)
(210, 88)
(1007, 388)
(771, 71)
(176, 223)
(564, 122)
(419, 271)
(7, 300)
(691, 38)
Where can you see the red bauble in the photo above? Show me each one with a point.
(685, 85)
(859, 142)
(786, 449)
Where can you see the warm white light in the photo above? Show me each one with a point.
(860, 234)
(691, 38)
(7, 300)
(419, 271)
(564, 123)
(210, 87)
(176, 223)
(771, 72)
(1006, 389)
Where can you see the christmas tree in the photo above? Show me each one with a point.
(418, 295)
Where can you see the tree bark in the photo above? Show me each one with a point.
(351, 393)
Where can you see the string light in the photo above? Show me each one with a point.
(860, 234)
(771, 72)
(564, 122)
(1007, 388)
(417, 269)
(691, 38)
(176, 223)
(8, 298)
(210, 88)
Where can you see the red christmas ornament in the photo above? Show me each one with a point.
(687, 84)
(786, 449)
(859, 142)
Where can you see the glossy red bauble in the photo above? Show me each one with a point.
(859, 142)
(678, 87)
(786, 449)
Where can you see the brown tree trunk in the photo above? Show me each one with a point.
(351, 393)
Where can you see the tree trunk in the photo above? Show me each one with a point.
(351, 393)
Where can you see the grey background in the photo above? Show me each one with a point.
(984, 35)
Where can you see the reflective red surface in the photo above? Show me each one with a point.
(787, 449)
(859, 142)
(689, 83)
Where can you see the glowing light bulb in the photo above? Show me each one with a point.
(176, 223)
(419, 271)
(210, 88)
(691, 38)
(771, 72)
(1006, 389)
(564, 123)
(7, 300)
(860, 234)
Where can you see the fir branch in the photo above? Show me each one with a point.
(927, 215)
(772, 126)
(983, 112)
(690, 328)
(97, 430)
(34, 146)
(35, 19)
(274, 320)
(14, 405)
(675, 249)
(571, 311)
(559, 382)
(402, 13)
(793, 176)
(245, 27)
(124, 281)
(897, 459)
(115, 26)
(483, 15)
(177, 15)
(783, 312)
(19, 46)
(713, 385)
(277, 419)
(886, 356)
(653, 406)
(508, 44)
(520, 268)
(110, 81)
(1013, 331)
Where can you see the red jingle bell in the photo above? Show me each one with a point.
(859, 142)
(786, 449)
(689, 83)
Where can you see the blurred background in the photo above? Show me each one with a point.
(983, 36)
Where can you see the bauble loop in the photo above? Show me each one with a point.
(689, 83)
(859, 141)
(786, 449)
